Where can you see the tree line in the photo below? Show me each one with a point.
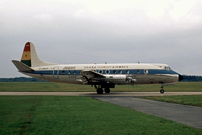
(186, 78)
(20, 79)
(191, 78)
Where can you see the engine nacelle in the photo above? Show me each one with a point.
(116, 78)
(120, 79)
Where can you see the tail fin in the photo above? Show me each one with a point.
(30, 57)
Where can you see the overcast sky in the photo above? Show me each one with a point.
(98, 31)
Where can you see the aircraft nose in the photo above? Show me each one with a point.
(180, 78)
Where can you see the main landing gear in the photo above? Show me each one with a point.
(107, 90)
(100, 90)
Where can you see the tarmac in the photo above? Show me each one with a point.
(189, 115)
(94, 94)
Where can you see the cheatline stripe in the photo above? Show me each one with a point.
(77, 72)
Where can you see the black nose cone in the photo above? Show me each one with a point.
(180, 77)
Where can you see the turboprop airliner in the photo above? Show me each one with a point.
(101, 76)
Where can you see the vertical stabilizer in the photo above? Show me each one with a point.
(30, 57)
(26, 56)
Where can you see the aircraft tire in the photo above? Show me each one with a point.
(99, 91)
(107, 90)
(161, 91)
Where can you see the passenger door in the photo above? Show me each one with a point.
(56, 73)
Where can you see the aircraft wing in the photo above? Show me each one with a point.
(90, 74)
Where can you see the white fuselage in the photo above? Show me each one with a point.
(113, 73)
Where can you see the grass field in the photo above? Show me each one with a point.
(194, 100)
(21, 115)
(46, 86)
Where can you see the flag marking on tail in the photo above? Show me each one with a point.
(26, 56)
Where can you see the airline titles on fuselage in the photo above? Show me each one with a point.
(89, 67)
(103, 67)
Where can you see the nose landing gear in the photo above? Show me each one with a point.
(161, 91)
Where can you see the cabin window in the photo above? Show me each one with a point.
(138, 71)
(63, 72)
(100, 71)
(146, 71)
(107, 71)
(74, 72)
(68, 72)
(114, 72)
(127, 71)
(120, 71)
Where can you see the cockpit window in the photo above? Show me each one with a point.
(167, 68)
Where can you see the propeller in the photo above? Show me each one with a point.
(130, 80)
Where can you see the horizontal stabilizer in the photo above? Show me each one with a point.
(21, 66)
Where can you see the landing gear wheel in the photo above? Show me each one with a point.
(99, 91)
(107, 90)
(161, 91)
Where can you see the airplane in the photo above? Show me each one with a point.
(101, 76)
